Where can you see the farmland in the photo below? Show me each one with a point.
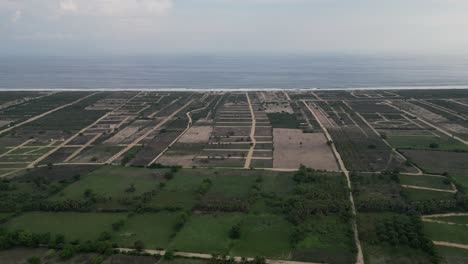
(358, 176)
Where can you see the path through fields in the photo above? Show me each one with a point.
(253, 141)
(136, 141)
(209, 256)
(360, 257)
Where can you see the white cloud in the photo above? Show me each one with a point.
(119, 8)
(68, 6)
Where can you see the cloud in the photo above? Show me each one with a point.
(68, 6)
(116, 8)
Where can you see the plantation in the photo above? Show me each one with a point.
(241, 173)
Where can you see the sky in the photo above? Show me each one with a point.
(375, 27)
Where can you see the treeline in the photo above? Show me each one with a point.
(22, 238)
(405, 231)
(383, 193)
(315, 193)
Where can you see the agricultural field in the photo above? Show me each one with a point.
(350, 176)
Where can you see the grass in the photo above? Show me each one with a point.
(424, 141)
(206, 233)
(425, 181)
(420, 195)
(327, 241)
(393, 255)
(445, 232)
(154, 229)
(279, 184)
(172, 199)
(82, 226)
(231, 187)
(455, 219)
(112, 181)
(264, 235)
(452, 255)
(283, 120)
(376, 251)
(439, 162)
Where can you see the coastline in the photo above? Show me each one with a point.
(445, 87)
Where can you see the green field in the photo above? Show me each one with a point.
(112, 181)
(425, 141)
(206, 234)
(426, 181)
(154, 229)
(283, 120)
(439, 162)
(82, 226)
(420, 195)
(264, 235)
(452, 255)
(448, 233)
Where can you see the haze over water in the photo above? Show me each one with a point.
(229, 72)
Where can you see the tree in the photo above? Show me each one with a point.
(434, 145)
(139, 245)
(67, 252)
(169, 255)
(34, 260)
(235, 233)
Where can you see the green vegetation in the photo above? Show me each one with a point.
(113, 182)
(155, 230)
(264, 235)
(446, 232)
(283, 120)
(426, 142)
(443, 183)
(82, 226)
(206, 233)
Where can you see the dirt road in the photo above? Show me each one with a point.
(189, 124)
(209, 256)
(253, 142)
(134, 143)
(360, 257)
(428, 189)
(449, 244)
(429, 124)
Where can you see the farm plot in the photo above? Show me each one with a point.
(155, 230)
(444, 228)
(439, 162)
(376, 230)
(111, 181)
(81, 226)
(293, 148)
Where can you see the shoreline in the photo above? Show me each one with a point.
(447, 87)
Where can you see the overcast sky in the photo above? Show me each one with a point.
(234, 26)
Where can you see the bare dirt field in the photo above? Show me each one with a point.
(289, 153)
(197, 134)
(185, 161)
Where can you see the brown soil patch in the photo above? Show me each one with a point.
(289, 153)
(197, 134)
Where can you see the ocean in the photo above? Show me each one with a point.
(230, 72)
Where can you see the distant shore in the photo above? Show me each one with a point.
(448, 87)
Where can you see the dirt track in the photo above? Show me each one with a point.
(209, 256)
(426, 188)
(253, 141)
(120, 153)
(449, 244)
(360, 256)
